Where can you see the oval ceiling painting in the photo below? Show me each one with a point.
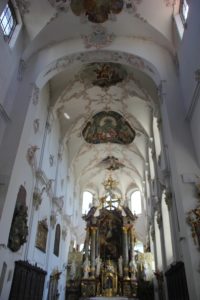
(103, 74)
(97, 11)
(108, 127)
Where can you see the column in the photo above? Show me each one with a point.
(92, 254)
(86, 246)
(125, 252)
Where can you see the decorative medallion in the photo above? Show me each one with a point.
(99, 38)
(108, 127)
(97, 11)
(103, 74)
(111, 163)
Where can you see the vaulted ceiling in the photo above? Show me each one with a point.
(95, 25)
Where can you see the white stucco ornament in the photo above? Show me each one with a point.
(99, 38)
(31, 156)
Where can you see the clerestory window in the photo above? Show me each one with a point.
(87, 202)
(136, 205)
(8, 21)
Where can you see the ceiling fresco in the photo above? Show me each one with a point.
(97, 11)
(108, 127)
(103, 74)
(111, 163)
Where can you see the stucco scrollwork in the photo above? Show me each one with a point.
(193, 219)
(37, 197)
(99, 38)
(31, 156)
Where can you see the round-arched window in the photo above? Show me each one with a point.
(136, 205)
(87, 201)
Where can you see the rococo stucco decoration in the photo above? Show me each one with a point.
(193, 219)
(111, 163)
(31, 156)
(108, 127)
(99, 38)
(19, 228)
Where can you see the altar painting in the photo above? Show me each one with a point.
(108, 127)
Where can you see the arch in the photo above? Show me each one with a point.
(57, 240)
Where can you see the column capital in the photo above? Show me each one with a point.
(125, 229)
(93, 228)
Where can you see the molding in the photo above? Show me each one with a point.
(195, 97)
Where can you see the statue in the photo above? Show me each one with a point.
(132, 269)
(86, 268)
(98, 265)
(120, 266)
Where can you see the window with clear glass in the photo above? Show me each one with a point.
(8, 21)
(136, 205)
(184, 9)
(87, 201)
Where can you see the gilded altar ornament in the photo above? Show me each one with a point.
(110, 183)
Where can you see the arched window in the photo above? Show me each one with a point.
(8, 21)
(136, 206)
(57, 240)
(183, 10)
(139, 247)
(87, 201)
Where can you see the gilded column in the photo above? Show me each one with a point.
(86, 247)
(125, 251)
(97, 243)
(93, 250)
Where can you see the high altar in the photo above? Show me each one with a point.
(109, 267)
